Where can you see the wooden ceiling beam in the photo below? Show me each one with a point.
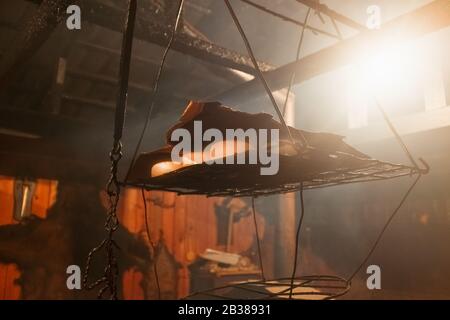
(429, 18)
(35, 33)
(38, 158)
(42, 123)
(148, 30)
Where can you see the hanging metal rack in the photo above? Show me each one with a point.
(326, 287)
(313, 287)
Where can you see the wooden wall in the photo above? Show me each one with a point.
(340, 229)
(188, 225)
(45, 196)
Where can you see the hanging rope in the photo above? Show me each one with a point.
(111, 272)
(152, 244)
(155, 88)
(260, 75)
(261, 265)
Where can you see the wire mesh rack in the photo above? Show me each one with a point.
(314, 171)
(313, 287)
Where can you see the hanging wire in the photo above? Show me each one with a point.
(261, 265)
(380, 235)
(336, 28)
(260, 75)
(396, 134)
(297, 240)
(297, 57)
(386, 225)
(389, 122)
(287, 19)
(155, 88)
(411, 159)
(152, 244)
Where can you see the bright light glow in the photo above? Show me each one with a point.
(165, 167)
(392, 75)
(391, 70)
(218, 150)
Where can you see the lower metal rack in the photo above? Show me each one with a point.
(314, 287)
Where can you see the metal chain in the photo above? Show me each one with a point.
(111, 271)
(108, 281)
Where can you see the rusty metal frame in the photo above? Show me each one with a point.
(150, 31)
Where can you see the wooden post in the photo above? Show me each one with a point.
(286, 227)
